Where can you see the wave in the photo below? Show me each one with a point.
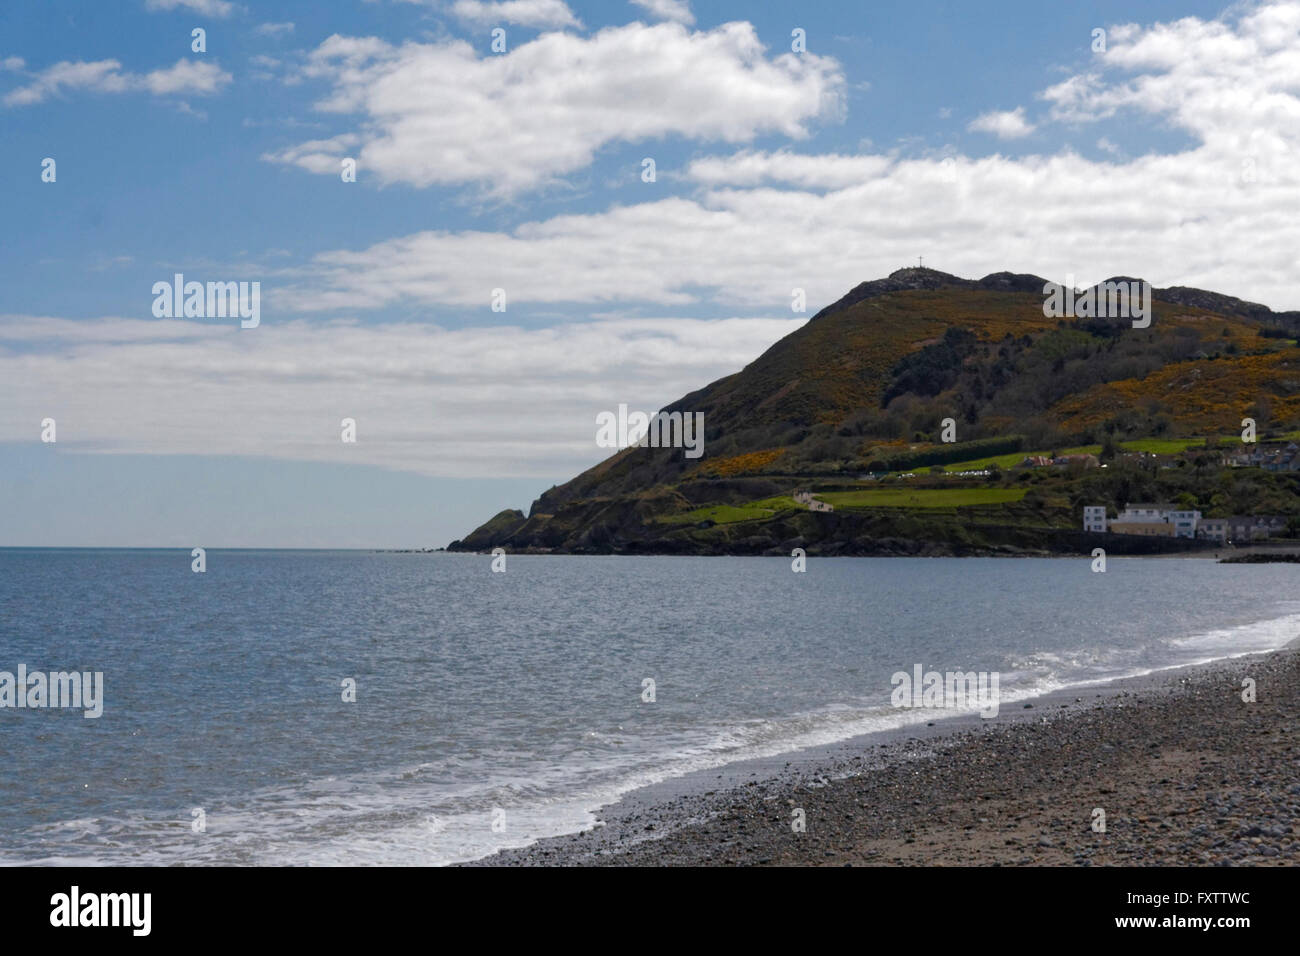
(412, 815)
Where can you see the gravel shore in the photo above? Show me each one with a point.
(1185, 771)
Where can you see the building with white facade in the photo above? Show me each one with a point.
(1144, 518)
(1144, 513)
(1171, 521)
(1094, 518)
(1184, 523)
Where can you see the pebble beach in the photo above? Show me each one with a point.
(1174, 768)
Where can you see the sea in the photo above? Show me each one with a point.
(357, 708)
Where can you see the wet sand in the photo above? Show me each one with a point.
(1185, 772)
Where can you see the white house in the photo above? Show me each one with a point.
(1144, 513)
(1094, 517)
(1184, 523)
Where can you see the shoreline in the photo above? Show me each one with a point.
(1204, 553)
(1184, 770)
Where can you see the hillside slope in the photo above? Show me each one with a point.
(862, 390)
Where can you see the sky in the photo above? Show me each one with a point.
(557, 208)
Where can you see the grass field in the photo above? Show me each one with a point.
(718, 514)
(922, 497)
(729, 514)
(1156, 446)
(1162, 446)
(1013, 459)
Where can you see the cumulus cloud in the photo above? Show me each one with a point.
(107, 76)
(484, 402)
(1215, 214)
(186, 76)
(1233, 83)
(442, 113)
(822, 171)
(273, 29)
(1218, 213)
(537, 14)
(1183, 219)
(209, 8)
(318, 155)
(103, 76)
(1004, 124)
(678, 11)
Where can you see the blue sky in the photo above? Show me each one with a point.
(982, 138)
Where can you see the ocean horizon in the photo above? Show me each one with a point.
(492, 709)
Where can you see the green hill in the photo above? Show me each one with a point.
(857, 397)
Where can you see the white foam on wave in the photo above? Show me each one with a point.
(1252, 638)
(396, 818)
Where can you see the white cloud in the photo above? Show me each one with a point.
(489, 397)
(210, 8)
(678, 11)
(824, 171)
(537, 14)
(13, 63)
(1231, 83)
(186, 76)
(273, 29)
(102, 76)
(48, 329)
(1215, 214)
(1004, 124)
(477, 402)
(106, 76)
(1185, 219)
(318, 155)
(443, 114)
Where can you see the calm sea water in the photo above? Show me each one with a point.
(520, 692)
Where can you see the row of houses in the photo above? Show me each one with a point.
(1275, 457)
(1269, 457)
(1172, 522)
(1244, 528)
(1146, 519)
